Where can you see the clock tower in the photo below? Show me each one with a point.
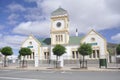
(59, 27)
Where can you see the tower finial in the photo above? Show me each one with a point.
(59, 6)
(76, 32)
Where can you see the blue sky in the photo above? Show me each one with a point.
(19, 18)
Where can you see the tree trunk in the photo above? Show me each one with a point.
(80, 62)
(110, 59)
(5, 61)
(56, 61)
(83, 61)
(23, 61)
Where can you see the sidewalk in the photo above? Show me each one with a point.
(61, 69)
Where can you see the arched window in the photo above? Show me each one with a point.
(30, 42)
(92, 39)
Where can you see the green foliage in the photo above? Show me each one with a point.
(25, 51)
(59, 50)
(6, 51)
(19, 56)
(111, 51)
(85, 49)
(118, 49)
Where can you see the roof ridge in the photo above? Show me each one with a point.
(59, 11)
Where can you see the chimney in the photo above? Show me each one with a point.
(76, 32)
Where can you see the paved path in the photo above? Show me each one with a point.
(58, 75)
(71, 67)
(62, 69)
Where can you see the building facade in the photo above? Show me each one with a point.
(59, 34)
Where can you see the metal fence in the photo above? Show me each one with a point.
(52, 63)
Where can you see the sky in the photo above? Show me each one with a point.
(20, 18)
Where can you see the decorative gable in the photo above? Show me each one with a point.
(31, 42)
(93, 36)
(97, 42)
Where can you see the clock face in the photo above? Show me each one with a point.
(58, 24)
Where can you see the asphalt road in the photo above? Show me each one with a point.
(58, 75)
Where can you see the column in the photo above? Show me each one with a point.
(36, 56)
(61, 61)
(36, 60)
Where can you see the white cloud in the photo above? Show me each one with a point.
(38, 28)
(15, 7)
(83, 14)
(116, 37)
(114, 5)
(13, 18)
(1, 27)
(30, 0)
(48, 6)
(37, 16)
(13, 41)
(1, 35)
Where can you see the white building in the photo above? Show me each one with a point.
(1, 58)
(59, 32)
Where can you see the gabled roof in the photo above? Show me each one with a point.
(31, 35)
(44, 41)
(94, 32)
(59, 11)
(74, 40)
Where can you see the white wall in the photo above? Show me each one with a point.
(68, 54)
(35, 45)
(36, 48)
(101, 43)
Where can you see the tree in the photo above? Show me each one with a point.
(58, 50)
(118, 49)
(19, 57)
(0, 49)
(23, 52)
(85, 49)
(111, 52)
(6, 51)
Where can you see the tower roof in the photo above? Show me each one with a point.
(59, 11)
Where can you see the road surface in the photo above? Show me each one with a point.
(58, 75)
